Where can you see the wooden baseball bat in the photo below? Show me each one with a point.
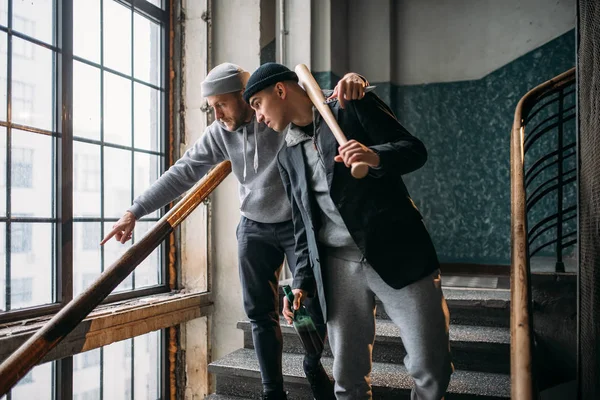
(359, 169)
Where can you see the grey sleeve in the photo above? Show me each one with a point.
(208, 151)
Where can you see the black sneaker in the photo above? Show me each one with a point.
(321, 385)
(274, 396)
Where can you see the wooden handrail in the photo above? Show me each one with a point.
(521, 328)
(55, 330)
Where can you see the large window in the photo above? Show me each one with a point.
(81, 136)
(125, 370)
(114, 143)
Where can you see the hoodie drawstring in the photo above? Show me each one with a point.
(314, 121)
(255, 145)
(244, 150)
(255, 163)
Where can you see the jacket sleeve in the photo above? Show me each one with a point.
(398, 150)
(181, 176)
(303, 273)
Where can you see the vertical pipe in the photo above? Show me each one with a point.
(282, 32)
(560, 266)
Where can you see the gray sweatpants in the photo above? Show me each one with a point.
(419, 310)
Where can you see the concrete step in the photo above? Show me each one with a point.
(475, 307)
(474, 348)
(238, 375)
(216, 396)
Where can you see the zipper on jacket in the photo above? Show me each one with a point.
(314, 140)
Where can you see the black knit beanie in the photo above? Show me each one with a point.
(266, 75)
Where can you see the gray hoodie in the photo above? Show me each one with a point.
(261, 191)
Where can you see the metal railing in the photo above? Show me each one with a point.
(33, 350)
(534, 104)
(550, 171)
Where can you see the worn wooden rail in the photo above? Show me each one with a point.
(35, 348)
(521, 327)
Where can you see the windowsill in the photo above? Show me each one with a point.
(112, 322)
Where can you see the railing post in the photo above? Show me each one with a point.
(560, 265)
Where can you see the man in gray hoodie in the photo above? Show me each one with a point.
(265, 233)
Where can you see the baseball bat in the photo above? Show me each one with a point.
(359, 169)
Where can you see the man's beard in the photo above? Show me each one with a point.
(232, 124)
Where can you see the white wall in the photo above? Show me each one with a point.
(268, 18)
(194, 230)
(321, 36)
(298, 39)
(227, 46)
(454, 40)
(369, 48)
(425, 41)
(230, 18)
(339, 36)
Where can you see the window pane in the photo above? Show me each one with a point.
(157, 3)
(86, 375)
(117, 37)
(112, 251)
(34, 18)
(4, 12)
(2, 172)
(3, 75)
(86, 255)
(86, 180)
(86, 29)
(148, 272)
(3, 267)
(116, 373)
(117, 109)
(86, 101)
(31, 85)
(117, 377)
(146, 367)
(31, 271)
(147, 122)
(146, 47)
(37, 384)
(117, 182)
(31, 174)
(147, 171)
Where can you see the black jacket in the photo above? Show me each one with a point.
(377, 210)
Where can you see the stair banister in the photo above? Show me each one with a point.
(33, 350)
(521, 326)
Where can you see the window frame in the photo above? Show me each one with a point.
(63, 153)
(62, 158)
(63, 141)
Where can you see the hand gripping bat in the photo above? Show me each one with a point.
(359, 169)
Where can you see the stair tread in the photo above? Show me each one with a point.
(386, 330)
(496, 298)
(489, 297)
(243, 362)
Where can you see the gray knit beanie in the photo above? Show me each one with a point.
(224, 78)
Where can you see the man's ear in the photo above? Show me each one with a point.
(280, 90)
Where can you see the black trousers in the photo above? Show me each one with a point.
(261, 250)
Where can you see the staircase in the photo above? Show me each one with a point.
(480, 343)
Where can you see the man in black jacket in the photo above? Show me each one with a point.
(358, 238)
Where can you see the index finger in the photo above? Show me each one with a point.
(342, 90)
(346, 145)
(334, 94)
(110, 234)
(297, 300)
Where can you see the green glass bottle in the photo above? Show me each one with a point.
(305, 327)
